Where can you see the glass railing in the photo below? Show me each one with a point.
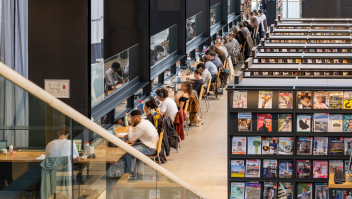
(59, 153)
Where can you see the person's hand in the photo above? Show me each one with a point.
(126, 137)
(113, 87)
(131, 123)
(176, 97)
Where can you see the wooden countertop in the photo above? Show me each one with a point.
(346, 185)
(123, 129)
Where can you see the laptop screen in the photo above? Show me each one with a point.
(3, 144)
(139, 107)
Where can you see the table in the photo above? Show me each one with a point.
(332, 186)
(123, 129)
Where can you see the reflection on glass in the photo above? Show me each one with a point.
(120, 108)
(163, 44)
(139, 95)
(193, 26)
(97, 81)
(215, 14)
(167, 73)
(230, 7)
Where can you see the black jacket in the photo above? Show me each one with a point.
(170, 138)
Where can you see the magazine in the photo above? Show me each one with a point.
(304, 123)
(336, 61)
(285, 100)
(269, 145)
(336, 146)
(289, 60)
(293, 50)
(326, 73)
(285, 190)
(311, 50)
(285, 146)
(304, 191)
(344, 73)
(303, 169)
(244, 122)
(265, 73)
(304, 99)
(320, 146)
(154, 194)
(298, 61)
(269, 168)
(270, 190)
(320, 169)
(336, 99)
(237, 168)
(318, 61)
(237, 190)
(253, 190)
(285, 123)
(254, 145)
(321, 190)
(316, 73)
(307, 73)
(327, 61)
(265, 99)
(348, 148)
(319, 50)
(347, 123)
(284, 50)
(309, 61)
(336, 73)
(253, 168)
(138, 193)
(335, 166)
(239, 99)
(335, 123)
(321, 122)
(276, 73)
(304, 145)
(347, 100)
(238, 145)
(285, 169)
(346, 167)
(321, 100)
(280, 61)
(263, 61)
(264, 123)
(271, 60)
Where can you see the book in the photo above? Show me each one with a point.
(285, 100)
(239, 99)
(237, 190)
(335, 123)
(348, 144)
(321, 190)
(265, 99)
(269, 168)
(347, 100)
(320, 146)
(253, 190)
(285, 146)
(347, 123)
(336, 146)
(347, 171)
(264, 123)
(237, 168)
(304, 123)
(304, 99)
(335, 166)
(285, 190)
(270, 190)
(321, 100)
(304, 145)
(303, 169)
(285, 169)
(244, 122)
(253, 168)
(238, 145)
(336, 99)
(320, 169)
(304, 190)
(269, 145)
(285, 123)
(254, 145)
(321, 122)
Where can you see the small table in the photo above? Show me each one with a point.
(123, 129)
(332, 186)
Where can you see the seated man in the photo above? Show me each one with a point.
(147, 135)
(168, 106)
(111, 75)
(214, 59)
(211, 68)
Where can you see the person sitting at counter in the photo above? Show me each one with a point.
(220, 45)
(186, 87)
(154, 54)
(168, 106)
(111, 75)
(197, 84)
(205, 74)
(219, 52)
(210, 67)
(214, 59)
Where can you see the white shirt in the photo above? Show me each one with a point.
(127, 69)
(146, 133)
(206, 76)
(262, 17)
(61, 148)
(169, 108)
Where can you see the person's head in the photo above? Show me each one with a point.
(251, 14)
(271, 192)
(240, 25)
(267, 123)
(187, 87)
(320, 195)
(158, 49)
(212, 55)
(304, 189)
(320, 98)
(317, 168)
(225, 39)
(242, 36)
(206, 58)
(218, 43)
(231, 37)
(162, 94)
(198, 74)
(261, 12)
(115, 66)
(188, 25)
(136, 116)
(212, 48)
(306, 98)
(150, 104)
(201, 67)
(255, 12)
(212, 13)
(287, 98)
(194, 25)
(254, 22)
(234, 30)
(245, 23)
(64, 131)
(239, 144)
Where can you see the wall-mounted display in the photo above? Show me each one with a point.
(58, 88)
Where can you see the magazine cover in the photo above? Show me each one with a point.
(285, 146)
(293, 50)
(318, 61)
(237, 168)
(284, 50)
(244, 122)
(304, 145)
(280, 61)
(265, 99)
(298, 61)
(319, 50)
(253, 168)
(239, 99)
(304, 99)
(285, 169)
(269, 168)
(347, 100)
(321, 122)
(303, 169)
(304, 123)
(263, 61)
(264, 123)
(336, 146)
(285, 100)
(304, 191)
(253, 190)
(320, 146)
(335, 123)
(320, 169)
(237, 190)
(348, 146)
(335, 166)
(347, 123)
(346, 167)
(238, 145)
(285, 123)
(271, 60)
(289, 60)
(327, 61)
(336, 61)
(316, 73)
(270, 190)
(321, 191)
(254, 145)
(326, 73)
(285, 190)
(336, 99)
(321, 100)
(269, 145)
(309, 61)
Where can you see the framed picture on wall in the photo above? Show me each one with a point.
(59, 88)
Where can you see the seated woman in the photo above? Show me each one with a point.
(153, 114)
(186, 87)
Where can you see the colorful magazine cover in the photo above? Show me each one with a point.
(253, 168)
(285, 169)
(238, 145)
(336, 146)
(347, 171)
(336, 99)
(269, 168)
(304, 123)
(335, 123)
(304, 145)
(335, 166)
(269, 145)
(244, 122)
(304, 99)
(309, 60)
(347, 123)
(320, 146)
(265, 99)
(285, 123)
(321, 122)
(321, 191)
(253, 190)
(347, 100)
(237, 168)
(348, 146)
(264, 123)
(285, 190)
(321, 100)
(254, 145)
(237, 190)
(304, 191)
(270, 190)
(303, 169)
(285, 146)
(285, 100)
(239, 99)
(320, 169)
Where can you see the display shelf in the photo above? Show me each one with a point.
(233, 179)
(330, 111)
(256, 110)
(278, 157)
(312, 180)
(324, 134)
(322, 157)
(268, 134)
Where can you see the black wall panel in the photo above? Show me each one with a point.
(322, 8)
(193, 7)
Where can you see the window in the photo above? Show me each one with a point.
(291, 8)
(215, 14)
(193, 26)
(163, 44)
(230, 7)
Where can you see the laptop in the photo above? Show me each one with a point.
(3, 144)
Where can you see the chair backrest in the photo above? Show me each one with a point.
(186, 106)
(219, 72)
(201, 93)
(158, 150)
(208, 86)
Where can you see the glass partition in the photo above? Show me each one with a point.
(291, 8)
(194, 26)
(230, 7)
(163, 44)
(215, 14)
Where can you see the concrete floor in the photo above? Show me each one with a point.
(202, 158)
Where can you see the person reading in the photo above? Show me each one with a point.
(111, 75)
(168, 107)
(211, 68)
(197, 84)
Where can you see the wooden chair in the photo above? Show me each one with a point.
(158, 150)
(200, 98)
(205, 95)
(185, 124)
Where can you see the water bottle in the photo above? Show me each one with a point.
(142, 104)
(178, 79)
(126, 119)
(86, 148)
(11, 150)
